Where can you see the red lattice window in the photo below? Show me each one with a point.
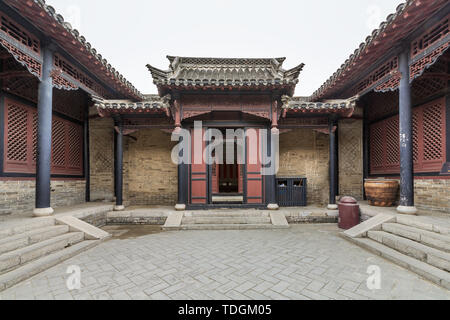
(433, 35)
(385, 146)
(429, 130)
(20, 132)
(430, 143)
(15, 31)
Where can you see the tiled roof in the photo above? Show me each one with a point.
(150, 102)
(408, 16)
(303, 105)
(186, 71)
(45, 17)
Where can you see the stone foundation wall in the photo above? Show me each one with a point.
(101, 139)
(19, 196)
(305, 152)
(351, 171)
(150, 177)
(433, 194)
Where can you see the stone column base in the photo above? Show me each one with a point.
(180, 207)
(407, 210)
(273, 206)
(332, 207)
(43, 212)
(119, 208)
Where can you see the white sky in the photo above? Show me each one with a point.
(320, 33)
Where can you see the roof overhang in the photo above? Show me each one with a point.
(45, 18)
(397, 27)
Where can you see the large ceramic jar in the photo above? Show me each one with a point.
(381, 193)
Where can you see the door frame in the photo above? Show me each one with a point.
(210, 205)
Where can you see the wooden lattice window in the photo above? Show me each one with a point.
(434, 34)
(20, 142)
(15, 31)
(383, 71)
(77, 75)
(20, 124)
(429, 142)
(429, 126)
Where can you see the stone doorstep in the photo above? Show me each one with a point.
(31, 224)
(226, 220)
(21, 256)
(231, 227)
(32, 268)
(432, 239)
(425, 270)
(31, 237)
(425, 223)
(417, 250)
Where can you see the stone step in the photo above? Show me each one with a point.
(225, 214)
(38, 223)
(413, 249)
(13, 259)
(32, 268)
(231, 227)
(226, 220)
(31, 237)
(424, 223)
(428, 238)
(423, 269)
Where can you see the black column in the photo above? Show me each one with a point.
(182, 181)
(366, 147)
(333, 164)
(406, 139)
(44, 139)
(118, 174)
(271, 179)
(86, 153)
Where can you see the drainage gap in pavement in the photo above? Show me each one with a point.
(123, 232)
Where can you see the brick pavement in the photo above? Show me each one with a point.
(302, 263)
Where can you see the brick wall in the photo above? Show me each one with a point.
(351, 172)
(305, 152)
(433, 194)
(19, 196)
(150, 177)
(101, 139)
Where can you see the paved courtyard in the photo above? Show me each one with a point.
(305, 262)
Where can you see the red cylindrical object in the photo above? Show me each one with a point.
(349, 214)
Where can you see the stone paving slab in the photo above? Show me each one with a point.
(302, 263)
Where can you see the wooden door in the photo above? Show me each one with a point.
(254, 181)
(199, 168)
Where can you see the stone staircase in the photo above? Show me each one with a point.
(30, 248)
(226, 220)
(420, 245)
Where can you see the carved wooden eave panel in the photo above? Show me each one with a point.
(197, 105)
(397, 27)
(45, 18)
(31, 61)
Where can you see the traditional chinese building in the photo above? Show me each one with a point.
(73, 130)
